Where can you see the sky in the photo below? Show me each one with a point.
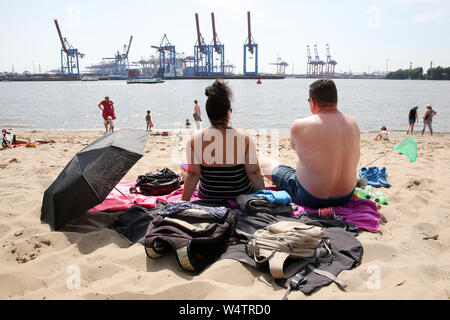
(364, 36)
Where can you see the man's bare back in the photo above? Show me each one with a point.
(327, 146)
(328, 149)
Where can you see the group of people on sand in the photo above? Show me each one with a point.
(327, 144)
(412, 118)
(108, 114)
(427, 119)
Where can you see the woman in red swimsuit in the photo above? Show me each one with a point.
(108, 111)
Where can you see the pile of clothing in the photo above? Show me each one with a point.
(204, 231)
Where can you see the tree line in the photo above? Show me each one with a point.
(437, 73)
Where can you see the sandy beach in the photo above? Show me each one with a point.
(35, 260)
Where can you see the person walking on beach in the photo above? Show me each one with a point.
(197, 115)
(428, 118)
(148, 119)
(107, 111)
(413, 118)
(328, 149)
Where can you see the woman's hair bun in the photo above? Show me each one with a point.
(208, 91)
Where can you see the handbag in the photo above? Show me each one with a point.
(157, 184)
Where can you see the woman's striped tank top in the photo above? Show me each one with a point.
(223, 182)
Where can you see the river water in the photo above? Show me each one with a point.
(272, 105)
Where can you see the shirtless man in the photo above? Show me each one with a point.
(328, 149)
(197, 115)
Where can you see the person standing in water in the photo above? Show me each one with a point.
(148, 119)
(413, 118)
(428, 118)
(107, 111)
(197, 115)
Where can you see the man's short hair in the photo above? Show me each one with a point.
(324, 92)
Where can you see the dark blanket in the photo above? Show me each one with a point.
(346, 248)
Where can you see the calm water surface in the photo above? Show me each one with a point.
(274, 104)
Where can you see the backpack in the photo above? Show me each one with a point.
(197, 237)
(287, 240)
(157, 184)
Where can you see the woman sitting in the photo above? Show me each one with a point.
(222, 158)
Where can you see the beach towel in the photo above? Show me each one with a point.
(362, 213)
(281, 197)
(123, 200)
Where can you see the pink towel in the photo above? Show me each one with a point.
(362, 213)
(115, 201)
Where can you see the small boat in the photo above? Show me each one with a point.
(87, 78)
(146, 81)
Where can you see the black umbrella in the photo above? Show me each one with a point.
(91, 175)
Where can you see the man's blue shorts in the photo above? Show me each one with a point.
(284, 178)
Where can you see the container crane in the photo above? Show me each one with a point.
(331, 64)
(202, 56)
(217, 51)
(167, 65)
(121, 63)
(281, 66)
(311, 62)
(70, 66)
(252, 48)
(318, 64)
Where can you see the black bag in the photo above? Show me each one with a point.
(157, 184)
(197, 237)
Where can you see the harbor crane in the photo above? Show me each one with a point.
(167, 65)
(70, 66)
(331, 64)
(202, 56)
(121, 63)
(318, 64)
(217, 51)
(252, 47)
(281, 66)
(311, 62)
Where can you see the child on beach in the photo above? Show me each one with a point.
(383, 134)
(111, 123)
(148, 119)
(188, 123)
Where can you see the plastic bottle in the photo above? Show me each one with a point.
(380, 198)
(365, 193)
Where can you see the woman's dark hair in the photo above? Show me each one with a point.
(218, 103)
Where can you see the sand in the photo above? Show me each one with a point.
(36, 263)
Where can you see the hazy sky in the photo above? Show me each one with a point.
(361, 34)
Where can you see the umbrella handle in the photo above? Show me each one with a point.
(133, 202)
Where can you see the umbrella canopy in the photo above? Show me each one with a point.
(91, 175)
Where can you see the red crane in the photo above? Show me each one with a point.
(199, 35)
(250, 46)
(64, 43)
